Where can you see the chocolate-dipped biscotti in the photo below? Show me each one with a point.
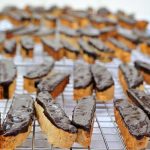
(83, 85)
(122, 51)
(18, 122)
(27, 45)
(32, 77)
(71, 50)
(89, 53)
(53, 47)
(144, 69)
(133, 124)
(130, 77)
(10, 47)
(54, 122)
(105, 53)
(83, 119)
(8, 75)
(141, 99)
(104, 83)
(55, 83)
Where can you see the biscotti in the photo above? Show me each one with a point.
(7, 79)
(83, 85)
(18, 122)
(53, 47)
(141, 99)
(83, 118)
(130, 77)
(89, 53)
(145, 47)
(54, 122)
(103, 82)
(105, 53)
(32, 77)
(10, 47)
(55, 83)
(133, 124)
(27, 45)
(144, 69)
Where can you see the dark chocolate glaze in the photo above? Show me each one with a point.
(2, 37)
(98, 44)
(129, 35)
(83, 113)
(10, 46)
(126, 19)
(40, 71)
(82, 75)
(103, 11)
(119, 44)
(43, 31)
(51, 82)
(27, 43)
(85, 46)
(19, 117)
(54, 113)
(142, 66)
(69, 31)
(55, 44)
(141, 99)
(70, 47)
(131, 75)
(89, 31)
(134, 118)
(102, 77)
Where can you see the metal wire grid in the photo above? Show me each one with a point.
(105, 136)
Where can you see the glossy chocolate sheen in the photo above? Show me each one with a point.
(51, 82)
(27, 43)
(43, 31)
(141, 99)
(102, 77)
(55, 113)
(131, 75)
(142, 66)
(134, 118)
(8, 72)
(83, 113)
(40, 71)
(82, 75)
(10, 46)
(70, 47)
(19, 117)
(69, 31)
(87, 48)
(98, 44)
(119, 44)
(55, 44)
(89, 31)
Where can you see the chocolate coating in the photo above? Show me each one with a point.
(98, 44)
(40, 71)
(50, 83)
(43, 31)
(119, 44)
(87, 48)
(82, 76)
(142, 66)
(128, 20)
(19, 117)
(70, 47)
(141, 99)
(132, 76)
(102, 77)
(10, 46)
(83, 113)
(55, 44)
(134, 118)
(27, 43)
(107, 29)
(54, 113)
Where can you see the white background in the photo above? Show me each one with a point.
(140, 7)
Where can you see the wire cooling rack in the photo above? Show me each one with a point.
(106, 135)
